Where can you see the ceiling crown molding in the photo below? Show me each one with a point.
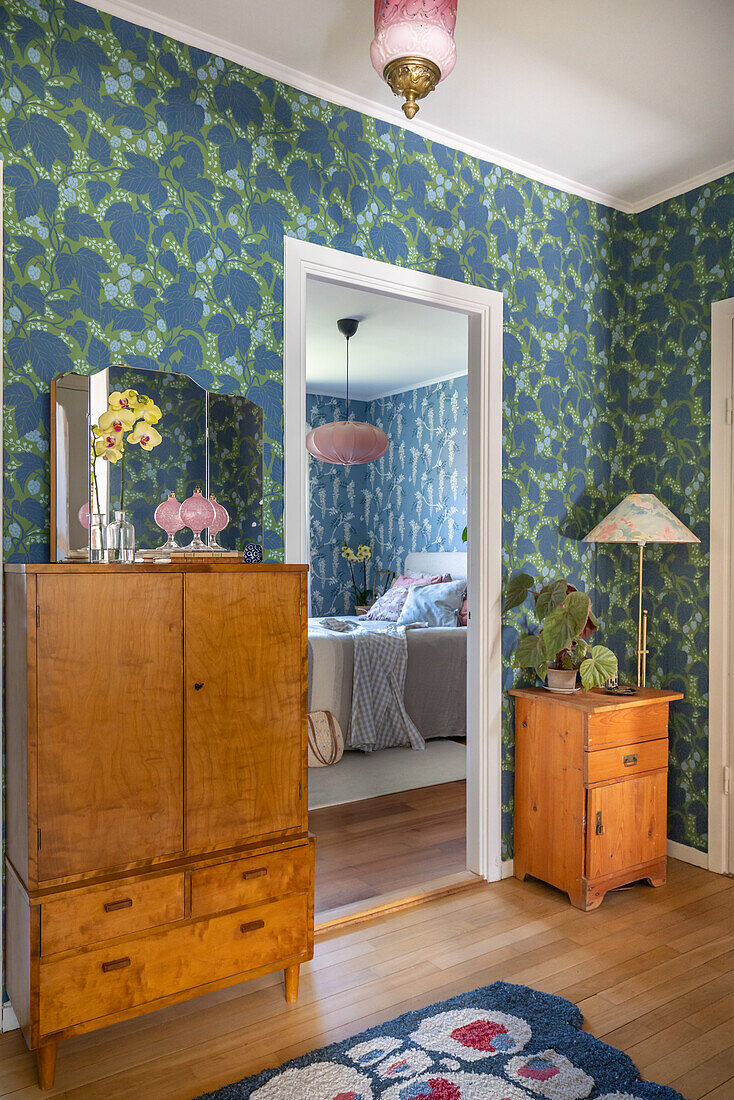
(303, 82)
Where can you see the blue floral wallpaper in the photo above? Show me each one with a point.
(148, 188)
(413, 498)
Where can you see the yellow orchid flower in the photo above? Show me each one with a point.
(348, 553)
(149, 410)
(363, 552)
(121, 420)
(146, 435)
(109, 446)
(129, 399)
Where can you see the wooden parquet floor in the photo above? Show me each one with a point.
(651, 970)
(397, 841)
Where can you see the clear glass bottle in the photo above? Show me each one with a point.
(121, 539)
(97, 538)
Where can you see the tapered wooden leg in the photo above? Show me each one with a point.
(46, 1060)
(291, 982)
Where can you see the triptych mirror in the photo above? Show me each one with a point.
(210, 441)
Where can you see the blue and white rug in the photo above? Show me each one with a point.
(503, 1042)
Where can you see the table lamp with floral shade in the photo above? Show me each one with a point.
(641, 518)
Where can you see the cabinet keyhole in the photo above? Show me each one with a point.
(198, 687)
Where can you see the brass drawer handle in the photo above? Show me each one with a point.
(252, 926)
(113, 906)
(257, 873)
(116, 964)
(630, 761)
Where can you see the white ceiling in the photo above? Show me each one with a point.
(398, 345)
(624, 101)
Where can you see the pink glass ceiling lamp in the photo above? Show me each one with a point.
(413, 48)
(347, 442)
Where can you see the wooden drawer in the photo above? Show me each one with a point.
(627, 725)
(623, 761)
(102, 981)
(245, 881)
(105, 912)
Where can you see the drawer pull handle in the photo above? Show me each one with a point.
(116, 964)
(113, 906)
(630, 761)
(257, 873)
(252, 926)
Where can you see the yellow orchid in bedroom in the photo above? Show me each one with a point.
(146, 435)
(362, 555)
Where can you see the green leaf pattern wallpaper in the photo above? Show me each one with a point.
(149, 186)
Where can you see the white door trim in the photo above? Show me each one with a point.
(721, 749)
(484, 309)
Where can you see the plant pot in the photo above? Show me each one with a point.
(561, 679)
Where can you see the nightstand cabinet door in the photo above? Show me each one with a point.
(626, 824)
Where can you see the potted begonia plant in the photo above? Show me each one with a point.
(559, 649)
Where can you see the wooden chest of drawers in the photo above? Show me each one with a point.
(591, 789)
(157, 842)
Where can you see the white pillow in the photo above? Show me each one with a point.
(434, 604)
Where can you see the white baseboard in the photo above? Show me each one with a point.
(9, 1019)
(687, 854)
(507, 868)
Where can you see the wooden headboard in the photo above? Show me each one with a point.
(444, 561)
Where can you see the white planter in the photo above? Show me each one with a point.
(561, 679)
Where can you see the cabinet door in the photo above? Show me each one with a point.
(110, 720)
(245, 713)
(632, 817)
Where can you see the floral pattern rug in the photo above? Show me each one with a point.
(502, 1042)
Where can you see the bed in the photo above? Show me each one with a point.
(435, 684)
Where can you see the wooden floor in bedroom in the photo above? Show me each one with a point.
(651, 970)
(379, 845)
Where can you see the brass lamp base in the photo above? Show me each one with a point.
(413, 78)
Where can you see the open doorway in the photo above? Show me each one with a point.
(388, 553)
(480, 311)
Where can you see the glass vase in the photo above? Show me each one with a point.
(98, 538)
(121, 540)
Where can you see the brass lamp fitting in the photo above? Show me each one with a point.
(413, 78)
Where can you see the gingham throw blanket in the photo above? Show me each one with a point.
(379, 718)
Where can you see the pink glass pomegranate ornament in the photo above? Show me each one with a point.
(168, 516)
(197, 513)
(217, 525)
(83, 515)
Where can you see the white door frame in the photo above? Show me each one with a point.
(484, 309)
(721, 606)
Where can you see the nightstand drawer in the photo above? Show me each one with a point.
(625, 760)
(627, 725)
(104, 912)
(245, 881)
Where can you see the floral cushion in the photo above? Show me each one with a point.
(389, 606)
(407, 579)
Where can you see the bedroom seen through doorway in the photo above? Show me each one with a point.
(387, 598)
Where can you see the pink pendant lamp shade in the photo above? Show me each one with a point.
(413, 48)
(347, 442)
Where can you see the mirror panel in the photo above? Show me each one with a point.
(211, 441)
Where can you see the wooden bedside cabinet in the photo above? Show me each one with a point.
(591, 774)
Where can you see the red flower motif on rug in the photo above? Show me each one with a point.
(478, 1034)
